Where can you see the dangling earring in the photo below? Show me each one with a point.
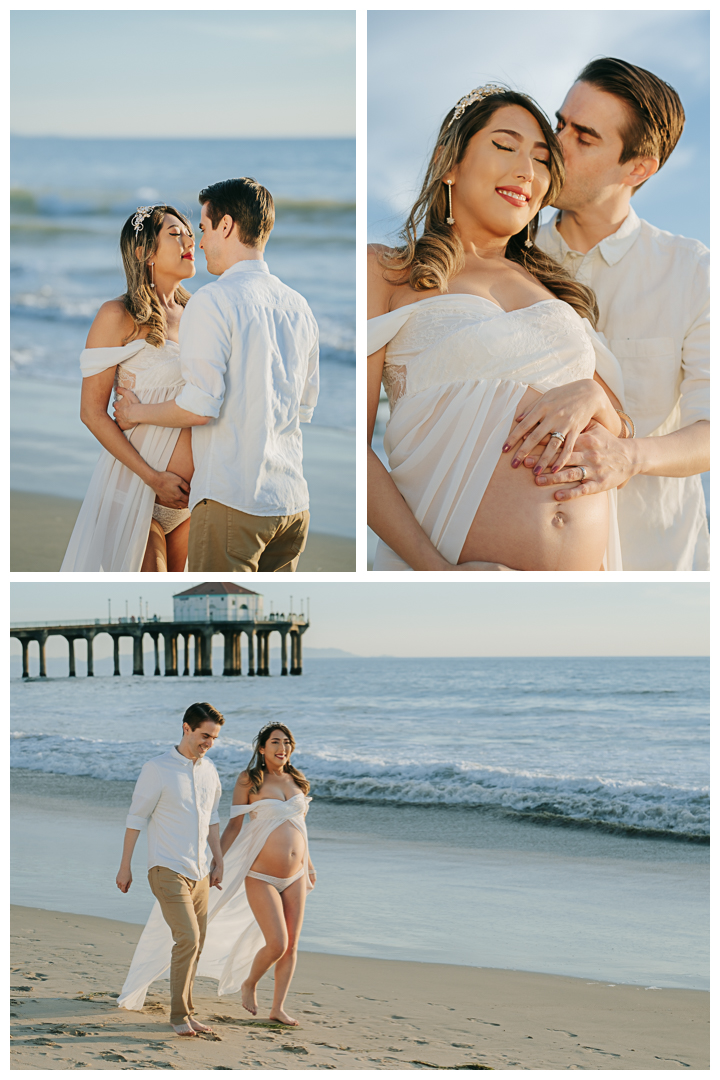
(152, 276)
(529, 243)
(449, 220)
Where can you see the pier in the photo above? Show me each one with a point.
(173, 633)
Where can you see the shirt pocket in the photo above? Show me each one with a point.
(651, 373)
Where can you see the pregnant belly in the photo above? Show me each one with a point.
(282, 854)
(524, 527)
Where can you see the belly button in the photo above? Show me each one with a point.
(558, 520)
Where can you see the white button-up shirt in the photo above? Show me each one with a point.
(249, 353)
(178, 801)
(652, 290)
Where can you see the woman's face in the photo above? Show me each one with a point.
(500, 183)
(175, 253)
(277, 749)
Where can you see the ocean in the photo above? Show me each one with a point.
(555, 812)
(69, 199)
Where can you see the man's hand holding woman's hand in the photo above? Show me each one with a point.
(216, 875)
(567, 409)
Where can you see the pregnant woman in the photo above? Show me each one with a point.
(273, 794)
(470, 325)
(134, 516)
(255, 921)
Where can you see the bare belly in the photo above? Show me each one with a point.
(181, 459)
(282, 855)
(522, 526)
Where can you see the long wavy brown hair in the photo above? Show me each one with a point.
(431, 252)
(140, 299)
(256, 766)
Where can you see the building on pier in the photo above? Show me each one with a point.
(217, 601)
(187, 640)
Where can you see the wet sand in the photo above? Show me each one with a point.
(40, 528)
(355, 1013)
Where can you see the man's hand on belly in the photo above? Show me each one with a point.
(608, 462)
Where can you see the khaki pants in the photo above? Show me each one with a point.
(225, 539)
(184, 904)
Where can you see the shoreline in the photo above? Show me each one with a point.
(65, 968)
(40, 528)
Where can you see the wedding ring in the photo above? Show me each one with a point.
(583, 470)
(558, 435)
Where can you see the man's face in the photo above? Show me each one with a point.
(212, 241)
(589, 123)
(202, 738)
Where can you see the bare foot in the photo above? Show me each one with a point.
(184, 1029)
(248, 998)
(197, 1026)
(281, 1017)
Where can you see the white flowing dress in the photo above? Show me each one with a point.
(113, 525)
(456, 367)
(233, 936)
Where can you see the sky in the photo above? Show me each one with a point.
(421, 62)
(416, 620)
(219, 74)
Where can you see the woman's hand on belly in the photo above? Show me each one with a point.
(567, 409)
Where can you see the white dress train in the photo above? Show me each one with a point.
(456, 367)
(233, 936)
(113, 525)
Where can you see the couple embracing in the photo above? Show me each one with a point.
(548, 386)
(202, 465)
(228, 906)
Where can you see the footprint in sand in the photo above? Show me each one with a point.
(561, 1031)
(295, 1049)
(111, 1055)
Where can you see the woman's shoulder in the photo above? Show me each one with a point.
(383, 279)
(112, 326)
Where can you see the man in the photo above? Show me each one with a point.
(618, 125)
(249, 356)
(177, 796)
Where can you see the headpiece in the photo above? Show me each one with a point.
(477, 94)
(141, 213)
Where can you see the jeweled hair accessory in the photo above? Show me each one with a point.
(477, 94)
(140, 214)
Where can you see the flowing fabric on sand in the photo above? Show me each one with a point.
(113, 525)
(233, 936)
(456, 367)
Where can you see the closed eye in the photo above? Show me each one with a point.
(500, 147)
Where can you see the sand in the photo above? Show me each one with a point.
(40, 527)
(354, 1013)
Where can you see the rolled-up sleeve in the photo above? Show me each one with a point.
(214, 815)
(695, 385)
(205, 347)
(146, 796)
(308, 401)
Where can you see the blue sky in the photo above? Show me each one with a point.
(421, 62)
(220, 74)
(408, 619)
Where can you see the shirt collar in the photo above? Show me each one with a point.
(177, 756)
(612, 248)
(247, 266)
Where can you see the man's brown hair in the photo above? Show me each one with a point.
(655, 116)
(248, 203)
(198, 713)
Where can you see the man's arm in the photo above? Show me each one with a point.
(611, 462)
(685, 452)
(216, 870)
(124, 874)
(308, 401)
(129, 412)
